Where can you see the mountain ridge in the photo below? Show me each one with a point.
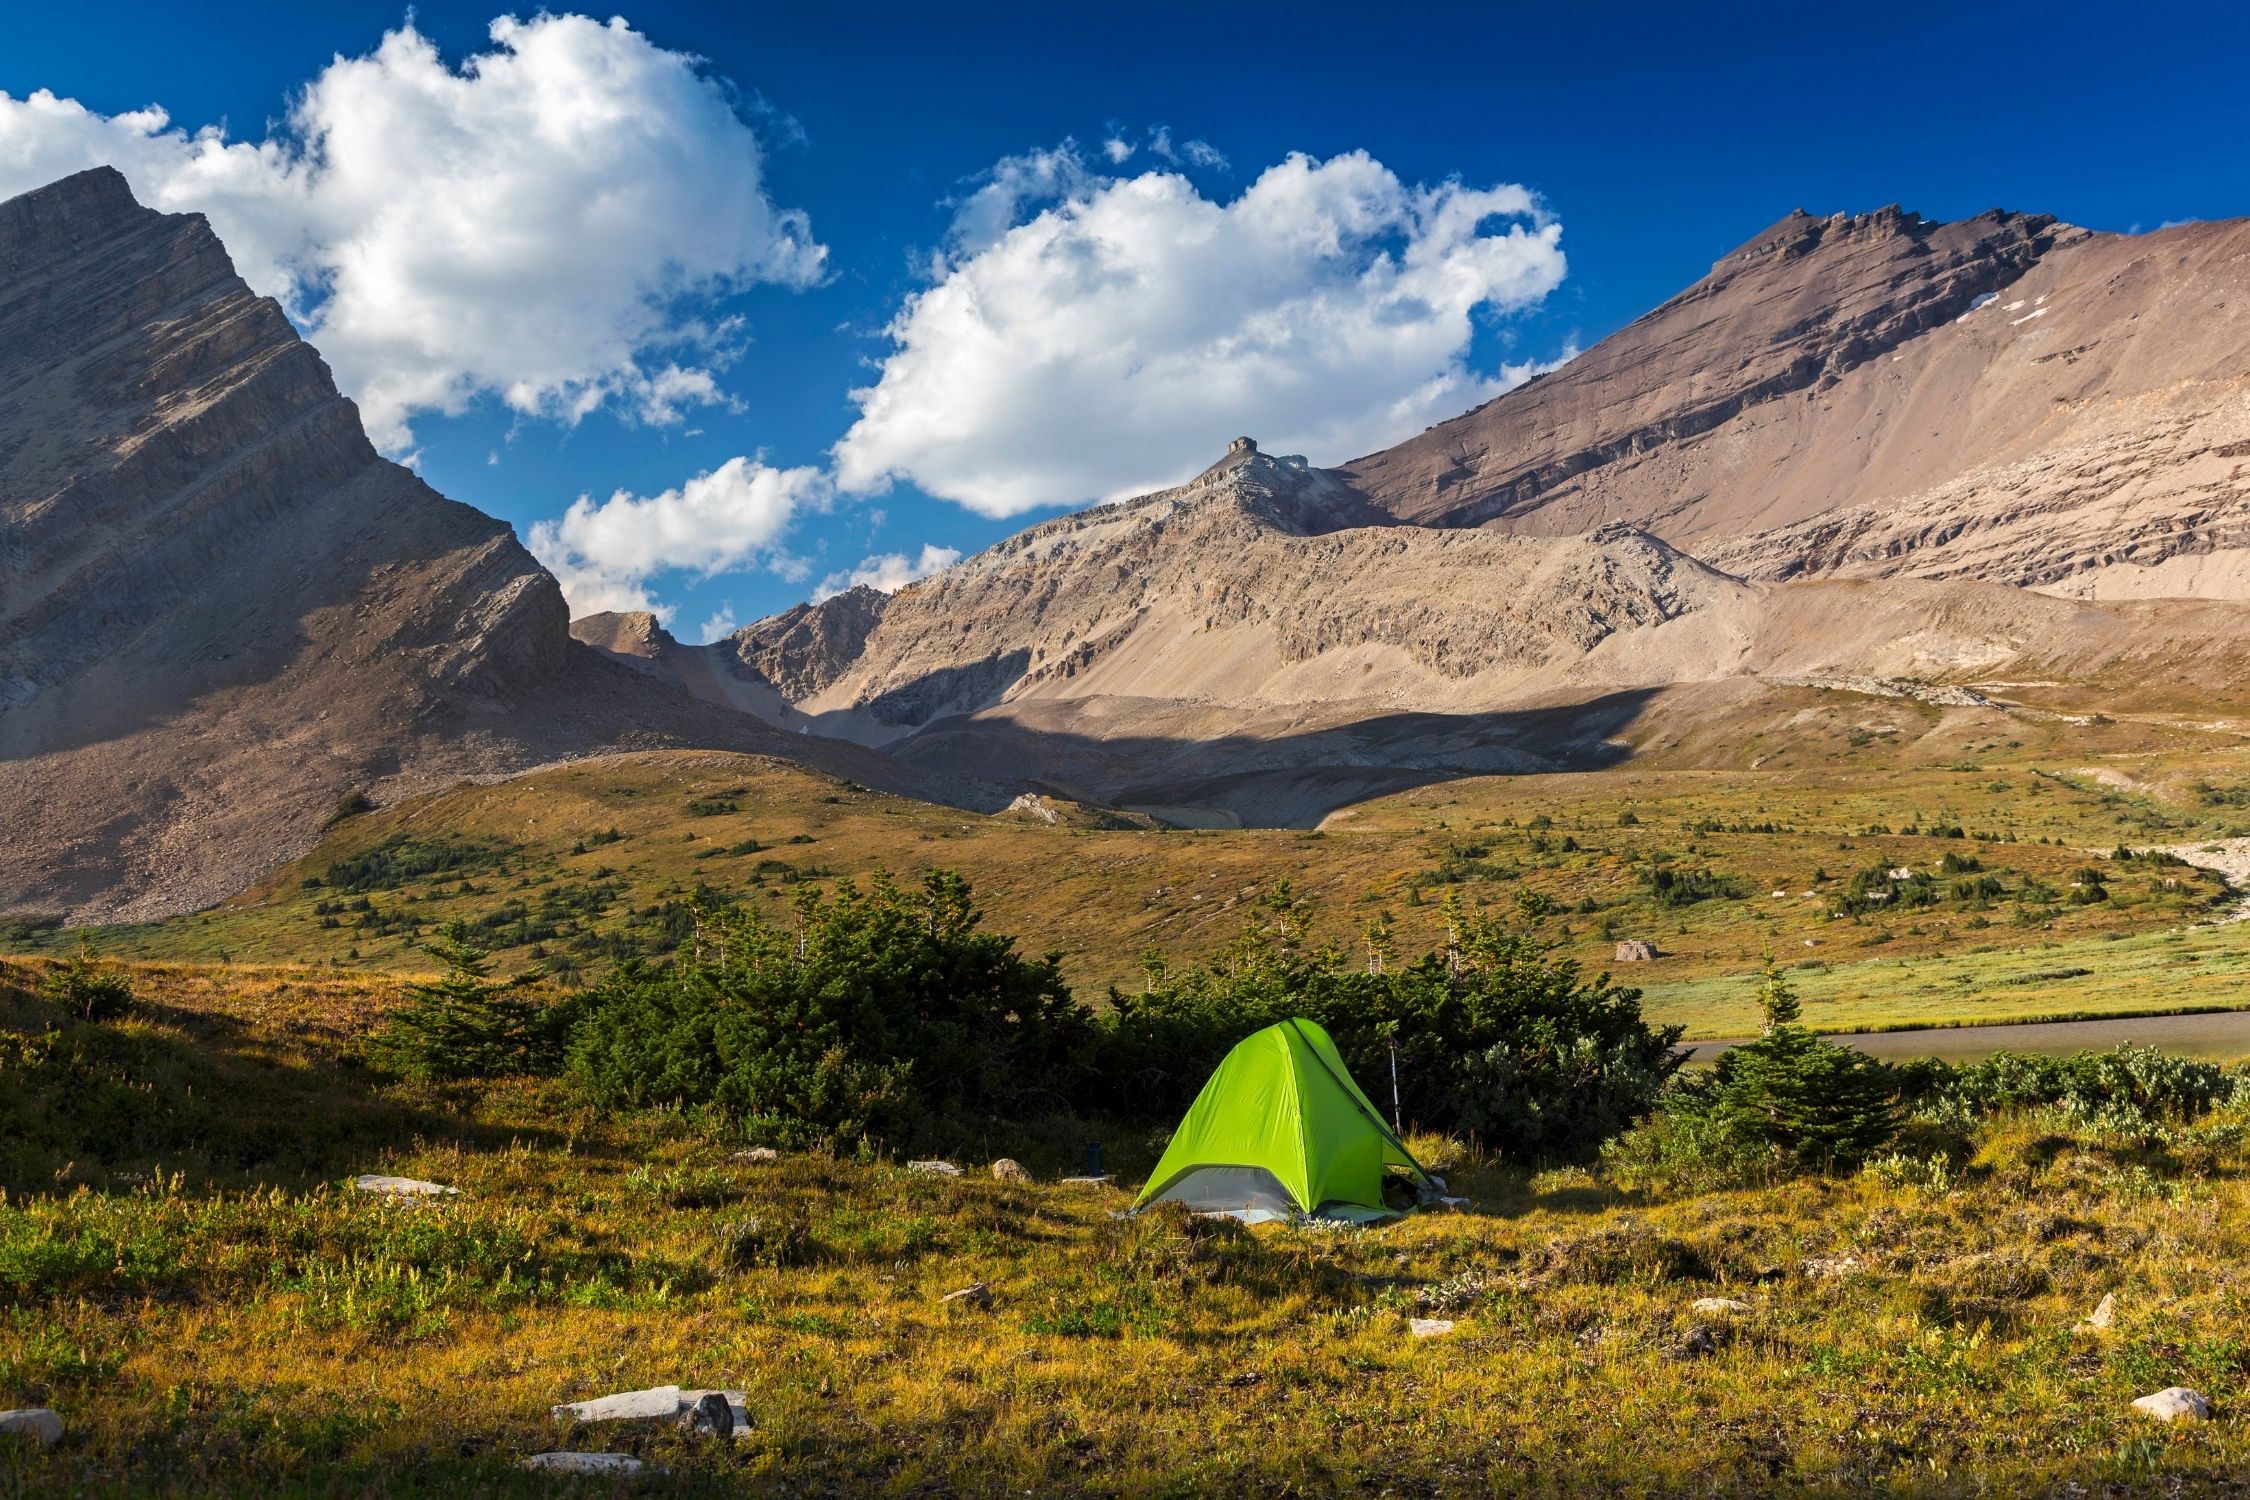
(2005, 398)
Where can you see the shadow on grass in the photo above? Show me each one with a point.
(166, 1089)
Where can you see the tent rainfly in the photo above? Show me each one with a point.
(1281, 1131)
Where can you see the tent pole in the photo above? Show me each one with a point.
(1396, 1124)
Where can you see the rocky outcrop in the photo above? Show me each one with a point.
(220, 610)
(803, 650)
(633, 637)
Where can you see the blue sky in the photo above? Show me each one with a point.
(1656, 137)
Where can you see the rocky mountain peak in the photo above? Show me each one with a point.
(803, 649)
(221, 610)
(1801, 233)
(67, 214)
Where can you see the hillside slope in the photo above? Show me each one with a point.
(2005, 398)
(220, 611)
(1254, 646)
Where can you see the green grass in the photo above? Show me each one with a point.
(214, 1311)
(1999, 980)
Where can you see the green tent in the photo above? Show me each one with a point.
(1281, 1130)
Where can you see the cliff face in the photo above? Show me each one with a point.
(220, 610)
(183, 488)
(2004, 398)
(1242, 648)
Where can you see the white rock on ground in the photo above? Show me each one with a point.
(1828, 1267)
(1430, 1328)
(625, 1406)
(758, 1153)
(1102, 1181)
(584, 1463)
(978, 1295)
(934, 1168)
(1718, 1307)
(403, 1187)
(35, 1424)
(1008, 1169)
(2104, 1314)
(2175, 1403)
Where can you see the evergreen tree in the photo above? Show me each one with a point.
(464, 1024)
(1827, 1104)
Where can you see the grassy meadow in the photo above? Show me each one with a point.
(579, 867)
(186, 1274)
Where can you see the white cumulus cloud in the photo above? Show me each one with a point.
(537, 223)
(1113, 340)
(889, 571)
(604, 553)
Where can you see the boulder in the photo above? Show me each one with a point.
(934, 1168)
(698, 1412)
(757, 1154)
(2175, 1403)
(1719, 1307)
(1008, 1169)
(403, 1187)
(709, 1413)
(33, 1424)
(1697, 1343)
(1635, 951)
(2104, 1313)
(978, 1295)
(1430, 1328)
(583, 1463)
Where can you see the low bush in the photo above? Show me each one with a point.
(2126, 1091)
(406, 857)
(884, 1013)
(1671, 886)
(84, 989)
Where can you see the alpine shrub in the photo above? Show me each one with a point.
(1496, 1037)
(86, 990)
(881, 1013)
(1809, 1100)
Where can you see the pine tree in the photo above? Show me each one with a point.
(465, 1025)
(1829, 1104)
